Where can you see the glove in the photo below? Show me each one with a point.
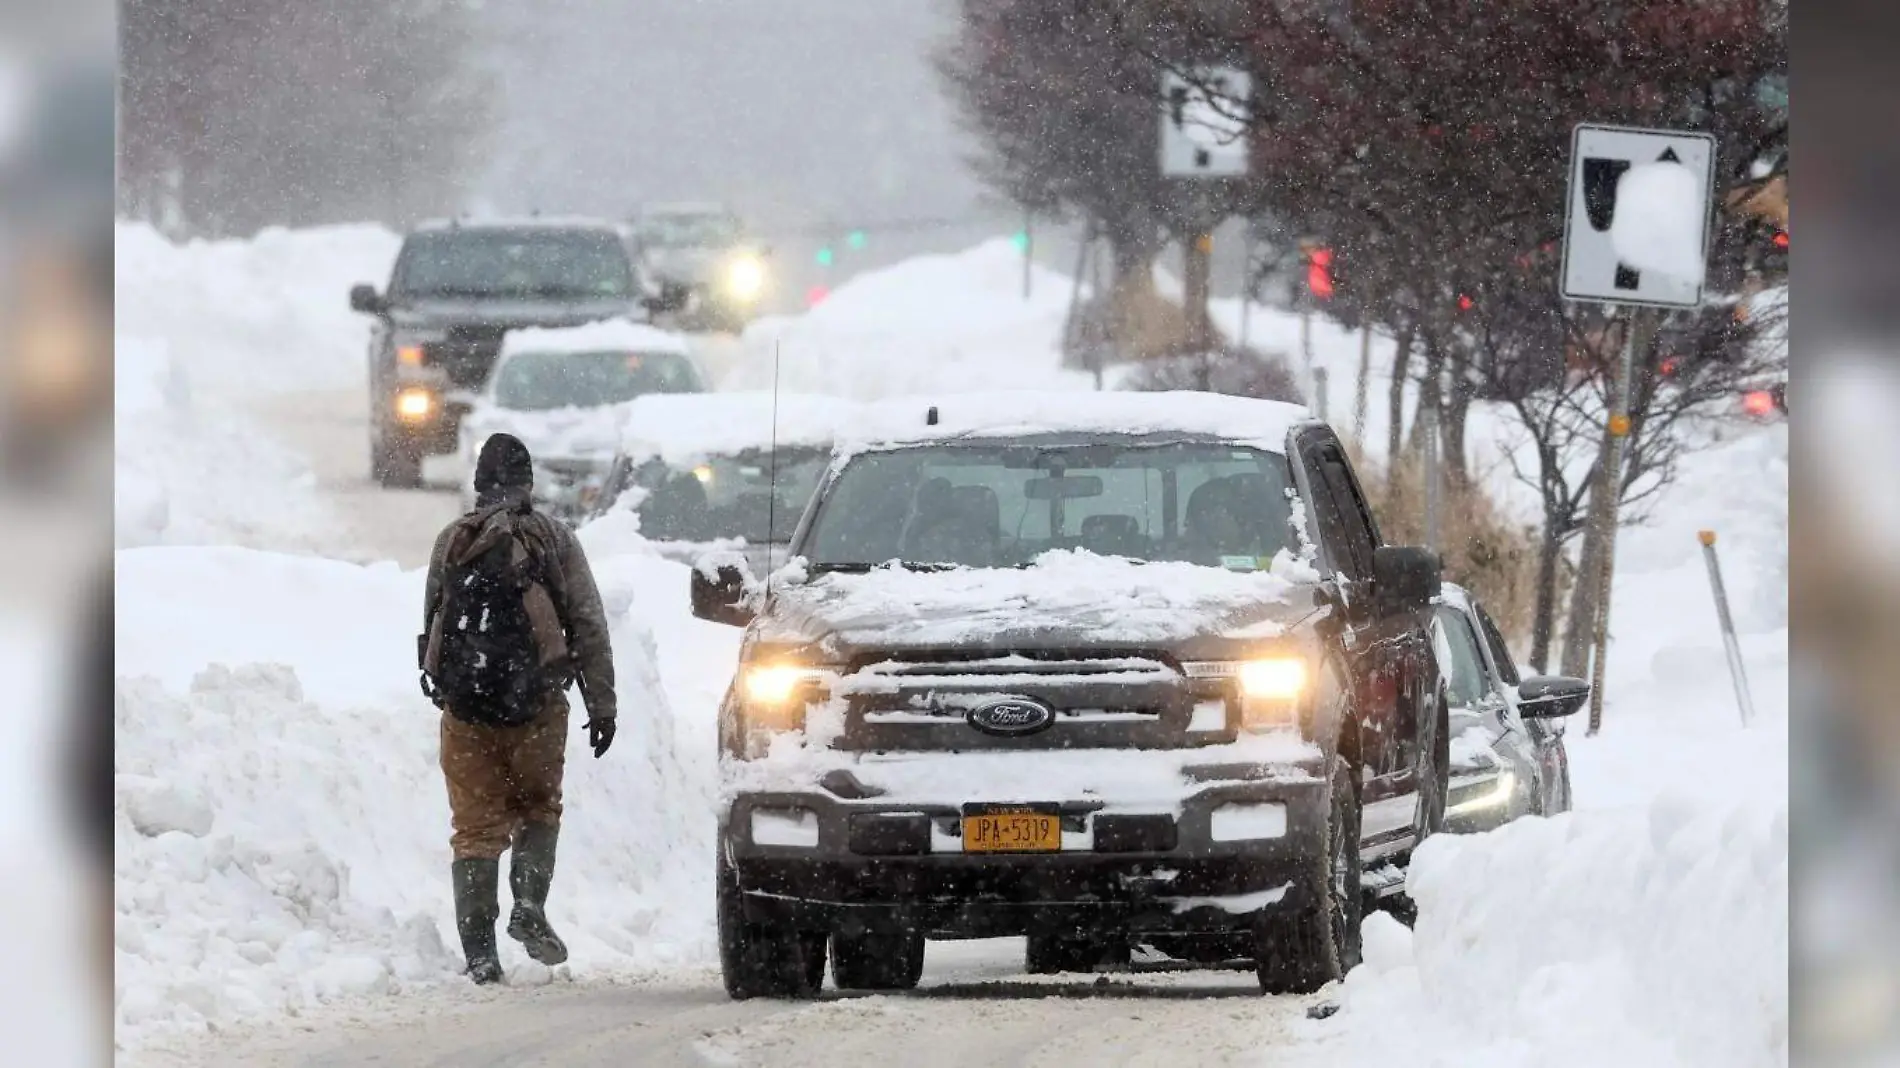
(600, 735)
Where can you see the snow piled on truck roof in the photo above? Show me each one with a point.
(1022, 413)
(607, 335)
(683, 428)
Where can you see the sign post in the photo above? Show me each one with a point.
(1597, 269)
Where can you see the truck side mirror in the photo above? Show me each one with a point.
(720, 596)
(1405, 578)
(1551, 696)
(365, 299)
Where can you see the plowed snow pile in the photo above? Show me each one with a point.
(281, 822)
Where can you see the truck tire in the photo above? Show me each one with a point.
(759, 960)
(1299, 952)
(395, 465)
(881, 961)
(1434, 780)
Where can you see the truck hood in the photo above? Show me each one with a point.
(441, 314)
(691, 265)
(1064, 600)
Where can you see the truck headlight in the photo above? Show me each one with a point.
(745, 277)
(1280, 678)
(777, 684)
(1268, 688)
(415, 405)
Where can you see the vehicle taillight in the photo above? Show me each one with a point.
(1759, 403)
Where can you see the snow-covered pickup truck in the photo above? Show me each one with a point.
(1097, 669)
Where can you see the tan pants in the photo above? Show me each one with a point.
(502, 777)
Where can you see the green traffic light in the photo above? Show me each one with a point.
(1021, 240)
(824, 256)
(855, 239)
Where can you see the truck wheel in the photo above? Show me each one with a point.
(761, 961)
(1434, 781)
(395, 465)
(1303, 951)
(1050, 954)
(877, 961)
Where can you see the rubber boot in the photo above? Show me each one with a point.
(530, 874)
(477, 886)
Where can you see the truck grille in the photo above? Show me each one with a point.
(916, 701)
(468, 354)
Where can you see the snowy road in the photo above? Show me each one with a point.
(975, 1007)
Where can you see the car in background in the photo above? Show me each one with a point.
(1507, 732)
(724, 471)
(457, 287)
(706, 271)
(565, 393)
(1097, 669)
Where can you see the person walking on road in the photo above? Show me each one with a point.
(511, 618)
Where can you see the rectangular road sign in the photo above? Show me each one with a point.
(1204, 123)
(1599, 157)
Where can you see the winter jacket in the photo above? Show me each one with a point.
(571, 584)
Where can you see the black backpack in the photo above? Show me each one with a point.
(496, 647)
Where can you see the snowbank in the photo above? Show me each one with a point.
(264, 314)
(189, 473)
(282, 827)
(931, 323)
(1655, 935)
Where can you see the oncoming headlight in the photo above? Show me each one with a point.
(745, 277)
(1273, 678)
(414, 405)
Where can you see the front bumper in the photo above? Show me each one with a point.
(879, 865)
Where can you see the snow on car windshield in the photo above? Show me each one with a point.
(547, 264)
(730, 495)
(1003, 504)
(543, 381)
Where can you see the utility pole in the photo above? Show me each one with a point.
(1359, 388)
(1638, 326)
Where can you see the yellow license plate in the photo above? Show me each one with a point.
(1012, 831)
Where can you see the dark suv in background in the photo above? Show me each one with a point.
(1094, 686)
(456, 288)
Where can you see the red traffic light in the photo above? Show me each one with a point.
(1465, 303)
(1319, 272)
(815, 296)
(1781, 239)
(1759, 403)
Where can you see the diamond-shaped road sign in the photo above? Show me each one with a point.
(1204, 123)
(1599, 157)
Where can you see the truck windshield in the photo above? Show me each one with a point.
(520, 264)
(1004, 504)
(690, 231)
(730, 496)
(541, 381)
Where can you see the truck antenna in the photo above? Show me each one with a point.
(771, 477)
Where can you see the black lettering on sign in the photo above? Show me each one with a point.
(1599, 205)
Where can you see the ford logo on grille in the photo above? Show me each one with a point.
(1012, 717)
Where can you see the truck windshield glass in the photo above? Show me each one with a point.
(1003, 505)
(690, 231)
(541, 381)
(730, 496)
(521, 264)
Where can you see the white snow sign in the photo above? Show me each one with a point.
(1636, 221)
(1204, 123)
